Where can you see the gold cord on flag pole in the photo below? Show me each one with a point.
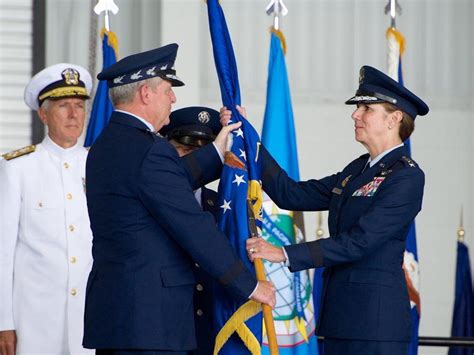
(461, 228)
(236, 324)
(260, 273)
(279, 34)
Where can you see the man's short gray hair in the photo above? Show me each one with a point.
(46, 103)
(124, 94)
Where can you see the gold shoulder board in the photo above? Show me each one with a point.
(19, 152)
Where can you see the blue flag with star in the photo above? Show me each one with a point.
(102, 106)
(238, 326)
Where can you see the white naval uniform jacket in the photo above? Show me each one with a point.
(45, 248)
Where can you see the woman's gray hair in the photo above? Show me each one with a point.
(124, 94)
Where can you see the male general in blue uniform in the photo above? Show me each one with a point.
(365, 309)
(148, 229)
(191, 128)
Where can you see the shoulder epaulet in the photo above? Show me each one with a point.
(19, 152)
(408, 161)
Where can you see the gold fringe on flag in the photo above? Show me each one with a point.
(300, 325)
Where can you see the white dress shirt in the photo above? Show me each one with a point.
(45, 249)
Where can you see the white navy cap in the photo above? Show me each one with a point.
(57, 82)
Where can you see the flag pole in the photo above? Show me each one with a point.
(260, 273)
(319, 230)
(101, 109)
(106, 6)
(461, 231)
(393, 7)
(277, 8)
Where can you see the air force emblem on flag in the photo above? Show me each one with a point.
(293, 314)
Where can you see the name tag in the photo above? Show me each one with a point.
(336, 191)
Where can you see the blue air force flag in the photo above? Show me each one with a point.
(293, 313)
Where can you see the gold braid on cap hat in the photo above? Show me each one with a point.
(63, 92)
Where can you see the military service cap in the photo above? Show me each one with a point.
(141, 66)
(57, 82)
(376, 87)
(195, 126)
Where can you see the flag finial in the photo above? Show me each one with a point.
(277, 8)
(106, 6)
(461, 228)
(393, 7)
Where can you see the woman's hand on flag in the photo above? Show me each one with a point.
(225, 114)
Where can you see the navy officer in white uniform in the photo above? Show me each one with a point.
(45, 237)
(365, 307)
(191, 128)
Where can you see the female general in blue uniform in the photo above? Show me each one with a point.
(372, 201)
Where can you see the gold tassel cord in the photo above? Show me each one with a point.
(255, 195)
(236, 323)
(112, 40)
(280, 35)
(391, 31)
(249, 339)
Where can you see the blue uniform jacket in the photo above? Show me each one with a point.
(148, 231)
(365, 295)
(204, 294)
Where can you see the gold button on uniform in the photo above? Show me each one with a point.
(71, 228)
(73, 259)
(199, 312)
(66, 165)
(69, 196)
(73, 292)
(199, 287)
